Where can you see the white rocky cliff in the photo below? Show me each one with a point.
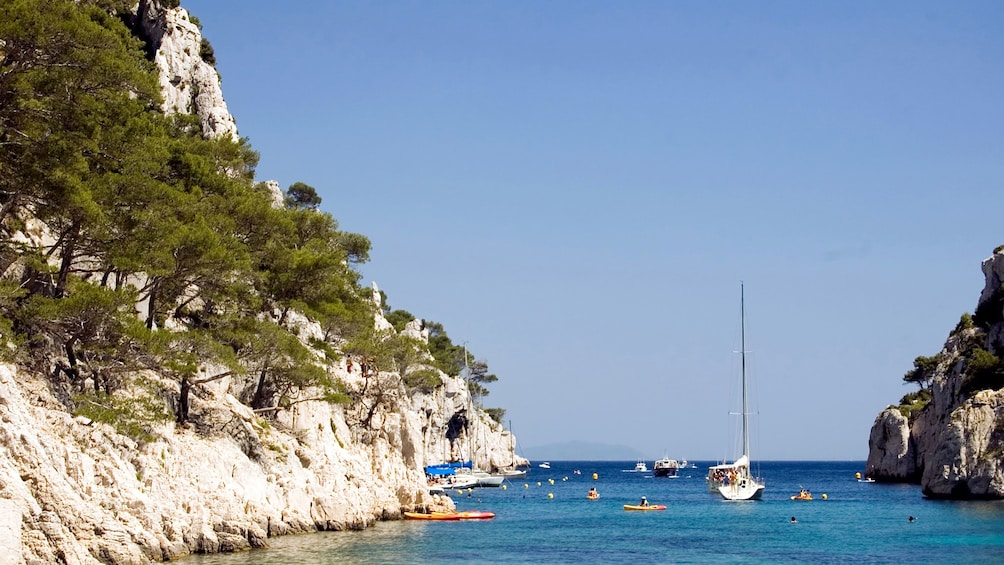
(189, 84)
(75, 491)
(954, 446)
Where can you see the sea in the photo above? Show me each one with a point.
(546, 518)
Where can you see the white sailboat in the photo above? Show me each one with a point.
(514, 470)
(734, 480)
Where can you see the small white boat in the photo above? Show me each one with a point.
(486, 479)
(545, 465)
(513, 473)
(639, 467)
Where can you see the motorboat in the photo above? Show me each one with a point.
(545, 465)
(665, 467)
(639, 467)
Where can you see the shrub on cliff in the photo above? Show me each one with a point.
(913, 402)
(983, 371)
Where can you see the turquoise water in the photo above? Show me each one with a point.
(859, 523)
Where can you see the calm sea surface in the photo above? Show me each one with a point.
(858, 523)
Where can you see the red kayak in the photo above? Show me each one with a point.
(466, 515)
(650, 507)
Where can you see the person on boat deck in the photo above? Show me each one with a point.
(644, 501)
(592, 492)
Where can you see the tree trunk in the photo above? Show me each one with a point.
(69, 246)
(186, 386)
(258, 401)
(151, 301)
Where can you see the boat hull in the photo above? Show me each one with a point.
(742, 490)
(490, 481)
(649, 507)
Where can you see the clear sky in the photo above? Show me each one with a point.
(576, 190)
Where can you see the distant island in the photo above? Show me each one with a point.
(582, 451)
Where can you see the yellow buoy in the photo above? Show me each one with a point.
(504, 487)
(857, 475)
(824, 496)
(595, 476)
(550, 481)
(550, 495)
(525, 485)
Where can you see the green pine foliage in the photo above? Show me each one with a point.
(144, 211)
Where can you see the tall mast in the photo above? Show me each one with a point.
(742, 317)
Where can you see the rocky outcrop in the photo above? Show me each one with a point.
(953, 446)
(889, 447)
(188, 83)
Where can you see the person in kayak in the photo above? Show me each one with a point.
(644, 501)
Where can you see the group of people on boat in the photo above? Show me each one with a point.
(730, 476)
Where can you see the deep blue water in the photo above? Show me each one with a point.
(857, 523)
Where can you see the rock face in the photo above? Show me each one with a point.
(189, 84)
(75, 491)
(954, 446)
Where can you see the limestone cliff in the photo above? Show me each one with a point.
(189, 83)
(76, 491)
(954, 445)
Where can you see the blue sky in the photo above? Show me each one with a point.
(576, 189)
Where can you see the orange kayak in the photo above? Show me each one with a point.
(649, 507)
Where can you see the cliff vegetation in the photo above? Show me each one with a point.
(188, 359)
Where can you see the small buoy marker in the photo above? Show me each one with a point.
(538, 483)
(550, 495)
(504, 487)
(824, 496)
(596, 476)
(550, 481)
(526, 485)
